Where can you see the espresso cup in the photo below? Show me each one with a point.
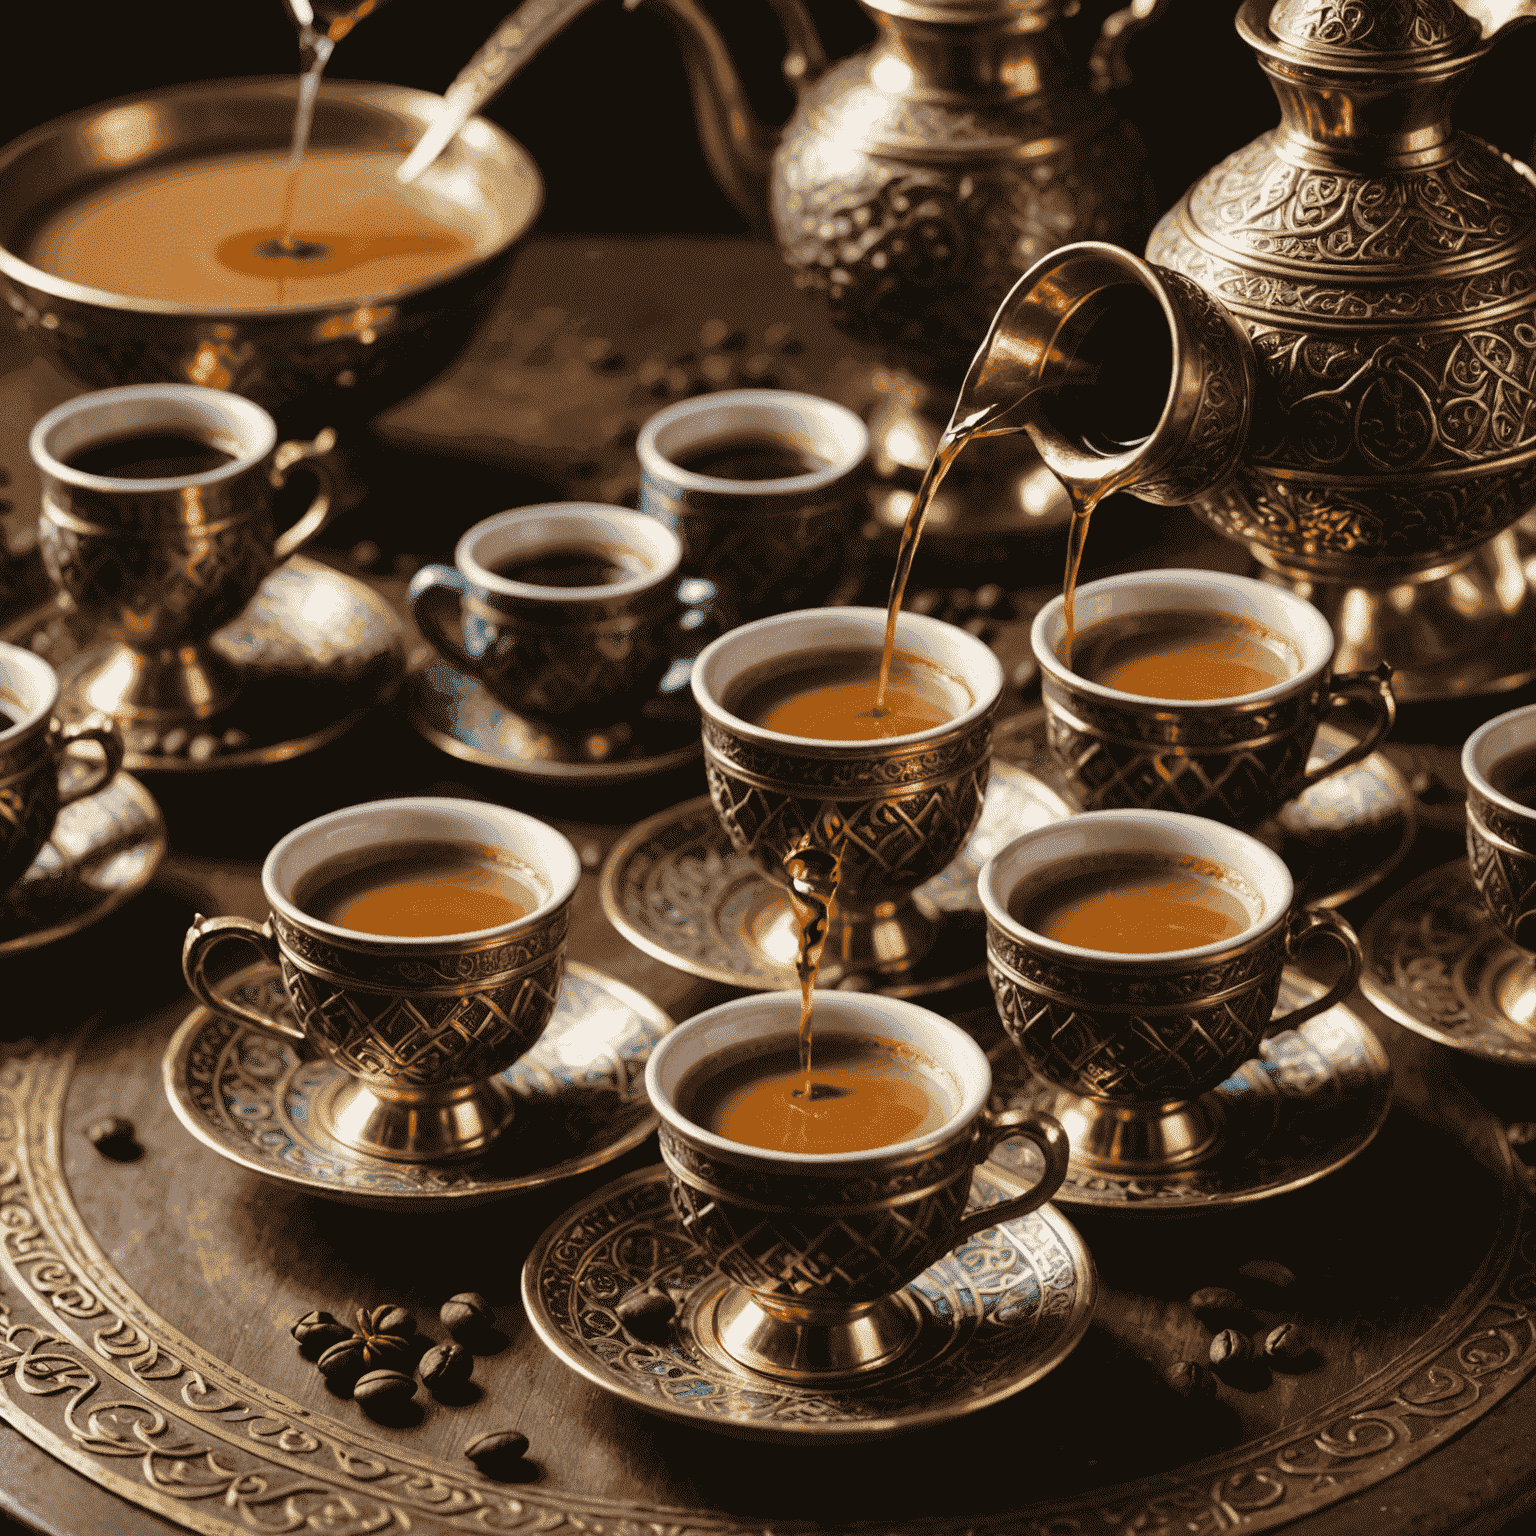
(556, 650)
(421, 1026)
(1235, 760)
(892, 813)
(816, 1246)
(766, 544)
(33, 747)
(1134, 1039)
(1501, 829)
(160, 563)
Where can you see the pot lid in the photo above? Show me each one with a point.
(1365, 30)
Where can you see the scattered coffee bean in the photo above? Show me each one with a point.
(317, 1331)
(1287, 1343)
(1190, 1379)
(1217, 1307)
(387, 1319)
(446, 1365)
(1268, 1272)
(646, 1312)
(1230, 1348)
(466, 1315)
(114, 1137)
(499, 1454)
(342, 1363)
(384, 1389)
(386, 1334)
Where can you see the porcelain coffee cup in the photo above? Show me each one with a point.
(1501, 831)
(1138, 1037)
(556, 650)
(892, 813)
(816, 1245)
(420, 1026)
(33, 748)
(766, 545)
(1236, 760)
(161, 563)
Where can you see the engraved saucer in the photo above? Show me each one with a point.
(250, 1098)
(1000, 1312)
(675, 888)
(459, 716)
(103, 850)
(1311, 1100)
(1435, 961)
(315, 648)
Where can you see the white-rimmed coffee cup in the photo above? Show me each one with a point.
(422, 1026)
(1501, 831)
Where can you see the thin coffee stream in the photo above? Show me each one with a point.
(416, 890)
(868, 1093)
(1135, 903)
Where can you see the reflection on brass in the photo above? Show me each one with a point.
(987, 1320)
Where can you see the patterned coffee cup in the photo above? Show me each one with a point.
(1501, 832)
(1139, 1037)
(1234, 760)
(32, 749)
(421, 1026)
(162, 563)
(555, 651)
(766, 545)
(893, 813)
(816, 1245)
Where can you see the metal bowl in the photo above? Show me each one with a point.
(310, 365)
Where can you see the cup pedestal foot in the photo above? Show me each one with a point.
(184, 685)
(415, 1127)
(1138, 1138)
(876, 945)
(792, 1345)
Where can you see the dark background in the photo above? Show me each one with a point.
(605, 108)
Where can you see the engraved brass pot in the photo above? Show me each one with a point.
(311, 365)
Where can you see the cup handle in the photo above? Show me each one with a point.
(323, 507)
(1375, 689)
(435, 592)
(1305, 921)
(202, 937)
(99, 728)
(1046, 1134)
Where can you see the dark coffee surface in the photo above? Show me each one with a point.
(1132, 904)
(1183, 654)
(860, 1093)
(832, 698)
(416, 890)
(1515, 776)
(566, 565)
(749, 456)
(149, 456)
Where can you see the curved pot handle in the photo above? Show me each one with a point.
(1106, 64)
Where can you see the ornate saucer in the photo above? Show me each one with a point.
(250, 1098)
(456, 714)
(103, 850)
(1339, 839)
(1435, 961)
(675, 888)
(998, 1314)
(316, 650)
(1311, 1100)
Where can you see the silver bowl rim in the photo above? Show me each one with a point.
(23, 272)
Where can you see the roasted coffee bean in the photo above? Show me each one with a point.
(114, 1137)
(1190, 1379)
(466, 1315)
(646, 1312)
(1230, 1348)
(343, 1362)
(384, 1389)
(446, 1365)
(386, 1334)
(386, 1320)
(317, 1331)
(499, 1454)
(1268, 1272)
(1217, 1307)
(1287, 1343)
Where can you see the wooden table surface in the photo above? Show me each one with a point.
(1385, 1250)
